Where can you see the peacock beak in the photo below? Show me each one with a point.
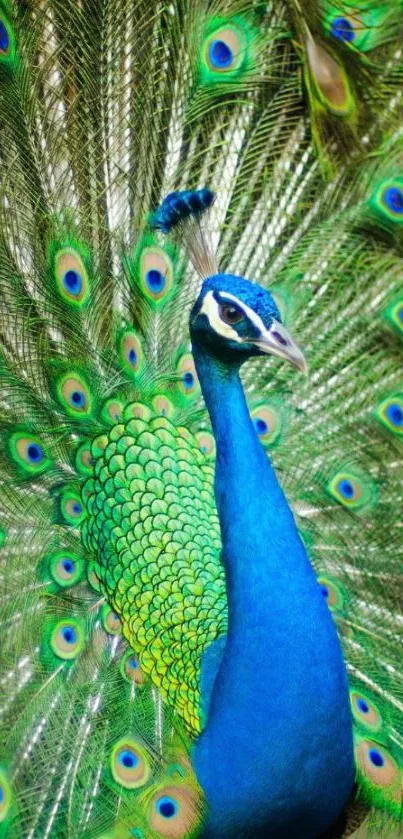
(278, 341)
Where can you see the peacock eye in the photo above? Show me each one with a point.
(230, 314)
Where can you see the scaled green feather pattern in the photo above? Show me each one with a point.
(153, 528)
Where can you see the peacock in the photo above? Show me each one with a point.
(201, 419)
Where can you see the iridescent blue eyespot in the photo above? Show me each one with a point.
(128, 759)
(155, 280)
(77, 508)
(343, 29)
(4, 37)
(68, 566)
(395, 414)
(261, 426)
(72, 282)
(133, 663)
(393, 198)
(132, 356)
(77, 399)
(220, 54)
(346, 489)
(35, 453)
(400, 314)
(363, 706)
(167, 807)
(69, 634)
(325, 591)
(376, 757)
(188, 380)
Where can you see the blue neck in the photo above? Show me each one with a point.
(279, 724)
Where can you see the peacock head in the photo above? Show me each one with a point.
(235, 319)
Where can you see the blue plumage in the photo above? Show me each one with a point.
(282, 648)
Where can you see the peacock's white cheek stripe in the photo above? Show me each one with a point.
(210, 308)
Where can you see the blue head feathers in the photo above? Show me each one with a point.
(180, 206)
(233, 318)
(236, 319)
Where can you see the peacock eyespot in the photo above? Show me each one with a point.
(74, 395)
(166, 806)
(395, 414)
(225, 50)
(230, 314)
(29, 452)
(131, 670)
(111, 621)
(129, 764)
(35, 453)
(71, 276)
(67, 640)
(73, 282)
(68, 566)
(5, 797)
(352, 490)
(393, 199)
(128, 759)
(72, 508)
(188, 380)
(163, 406)
(261, 426)
(220, 54)
(267, 423)
(390, 413)
(156, 274)
(4, 38)
(174, 811)
(331, 593)
(365, 711)
(376, 757)
(206, 443)
(343, 29)
(155, 280)
(65, 569)
(346, 488)
(377, 764)
(131, 352)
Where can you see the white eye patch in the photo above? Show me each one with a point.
(211, 308)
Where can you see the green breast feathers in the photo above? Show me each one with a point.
(153, 529)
